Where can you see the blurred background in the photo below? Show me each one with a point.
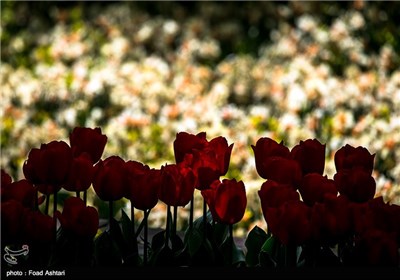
(143, 71)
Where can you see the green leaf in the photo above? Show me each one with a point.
(106, 251)
(254, 242)
(204, 255)
(220, 233)
(158, 241)
(128, 233)
(163, 257)
(198, 223)
(194, 240)
(177, 243)
(270, 245)
(231, 253)
(270, 254)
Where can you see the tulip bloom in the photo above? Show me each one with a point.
(5, 178)
(290, 223)
(81, 174)
(177, 185)
(227, 200)
(273, 162)
(89, 140)
(12, 220)
(310, 154)
(110, 178)
(208, 160)
(274, 194)
(22, 191)
(185, 143)
(39, 227)
(331, 219)
(143, 185)
(49, 166)
(314, 187)
(349, 157)
(357, 184)
(79, 219)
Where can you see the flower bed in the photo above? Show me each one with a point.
(313, 221)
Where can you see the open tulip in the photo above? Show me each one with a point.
(177, 185)
(266, 148)
(79, 219)
(310, 154)
(314, 187)
(349, 157)
(110, 178)
(227, 200)
(274, 194)
(143, 185)
(88, 140)
(49, 166)
(357, 184)
(186, 143)
(81, 174)
(22, 191)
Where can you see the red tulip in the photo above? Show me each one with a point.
(282, 170)
(89, 140)
(310, 154)
(12, 220)
(331, 219)
(143, 185)
(22, 191)
(290, 223)
(314, 187)
(110, 178)
(49, 166)
(39, 227)
(5, 178)
(204, 166)
(274, 194)
(185, 143)
(81, 174)
(79, 219)
(177, 185)
(266, 148)
(222, 151)
(349, 157)
(227, 200)
(357, 184)
(377, 248)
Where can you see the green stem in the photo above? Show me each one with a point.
(167, 227)
(78, 194)
(175, 220)
(54, 203)
(36, 202)
(46, 208)
(146, 227)
(55, 219)
(231, 245)
(133, 217)
(290, 255)
(204, 219)
(191, 213)
(85, 197)
(111, 215)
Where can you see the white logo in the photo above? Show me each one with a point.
(11, 255)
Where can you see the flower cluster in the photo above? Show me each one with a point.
(77, 167)
(331, 221)
(312, 220)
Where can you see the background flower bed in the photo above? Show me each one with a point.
(144, 71)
